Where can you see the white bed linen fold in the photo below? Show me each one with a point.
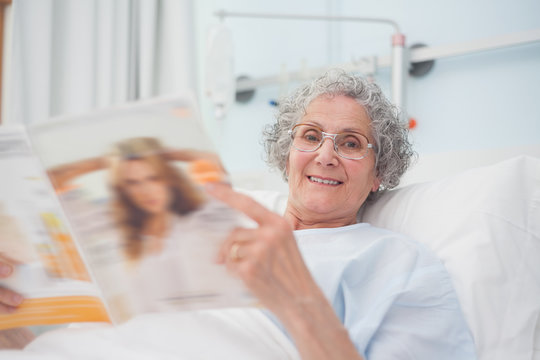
(242, 333)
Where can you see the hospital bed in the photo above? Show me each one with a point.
(481, 217)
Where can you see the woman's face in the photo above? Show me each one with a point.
(145, 187)
(350, 181)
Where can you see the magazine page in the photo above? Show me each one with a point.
(130, 181)
(48, 270)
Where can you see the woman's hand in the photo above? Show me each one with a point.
(9, 300)
(270, 264)
(266, 258)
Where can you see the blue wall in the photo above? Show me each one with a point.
(477, 101)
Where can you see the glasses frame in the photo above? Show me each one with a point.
(326, 135)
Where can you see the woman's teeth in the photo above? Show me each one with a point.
(321, 181)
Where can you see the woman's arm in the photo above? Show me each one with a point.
(63, 174)
(315, 328)
(269, 262)
(190, 155)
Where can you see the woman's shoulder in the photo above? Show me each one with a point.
(365, 242)
(362, 252)
(355, 234)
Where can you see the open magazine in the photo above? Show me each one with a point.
(104, 216)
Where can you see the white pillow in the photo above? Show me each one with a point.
(484, 224)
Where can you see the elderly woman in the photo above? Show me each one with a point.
(338, 288)
(343, 289)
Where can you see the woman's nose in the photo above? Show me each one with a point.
(146, 188)
(326, 154)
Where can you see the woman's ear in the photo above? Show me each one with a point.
(376, 184)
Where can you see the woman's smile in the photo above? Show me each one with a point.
(319, 180)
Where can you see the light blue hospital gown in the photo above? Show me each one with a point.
(392, 294)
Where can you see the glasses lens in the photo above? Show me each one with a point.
(348, 145)
(351, 145)
(306, 137)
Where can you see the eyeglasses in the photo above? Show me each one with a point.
(348, 145)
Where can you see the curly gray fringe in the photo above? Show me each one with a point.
(394, 151)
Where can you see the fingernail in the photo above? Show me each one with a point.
(5, 270)
(16, 299)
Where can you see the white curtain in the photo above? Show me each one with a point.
(71, 56)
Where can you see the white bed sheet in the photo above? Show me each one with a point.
(241, 333)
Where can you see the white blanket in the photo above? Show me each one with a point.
(215, 334)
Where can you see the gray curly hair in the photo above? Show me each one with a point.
(394, 151)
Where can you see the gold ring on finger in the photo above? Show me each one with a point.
(233, 252)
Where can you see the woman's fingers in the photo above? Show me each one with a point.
(5, 269)
(234, 246)
(9, 299)
(6, 309)
(240, 202)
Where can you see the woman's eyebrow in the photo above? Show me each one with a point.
(353, 130)
(316, 123)
(311, 122)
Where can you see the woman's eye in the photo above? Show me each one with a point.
(312, 136)
(351, 143)
(131, 183)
